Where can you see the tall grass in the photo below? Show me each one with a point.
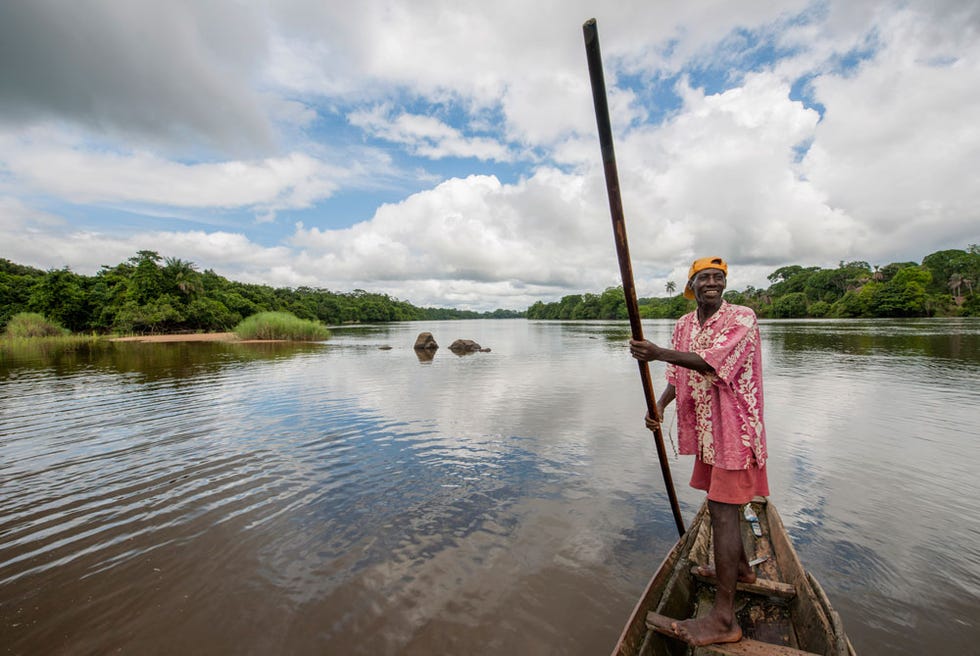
(31, 324)
(281, 325)
(25, 346)
(29, 335)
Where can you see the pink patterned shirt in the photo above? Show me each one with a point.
(719, 416)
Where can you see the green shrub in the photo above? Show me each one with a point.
(789, 306)
(819, 309)
(31, 324)
(971, 308)
(281, 325)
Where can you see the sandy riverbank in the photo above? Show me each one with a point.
(190, 337)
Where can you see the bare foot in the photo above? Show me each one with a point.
(745, 573)
(707, 631)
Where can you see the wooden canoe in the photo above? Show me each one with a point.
(785, 613)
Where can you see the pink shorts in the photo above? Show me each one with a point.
(735, 486)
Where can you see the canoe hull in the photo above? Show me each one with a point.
(772, 622)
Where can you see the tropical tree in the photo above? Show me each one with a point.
(955, 283)
(567, 305)
(671, 287)
(818, 309)
(184, 276)
(784, 273)
(944, 264)
(146, 282)
(612, 304)
(61, 296)
(16, 284)
(210, 314)
(904, 295)
(789, 306)
(854, 303)
(889, 270)
(588, 309)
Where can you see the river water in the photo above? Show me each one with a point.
(347, 498)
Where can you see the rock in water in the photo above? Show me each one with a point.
(464, 346)
(425, 342)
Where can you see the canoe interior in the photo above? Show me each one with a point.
(805, 622)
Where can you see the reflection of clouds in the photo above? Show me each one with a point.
(395, 497)
(506, 464)
(576, 398)
(478, 581)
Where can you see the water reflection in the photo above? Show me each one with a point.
(425, 356)
(344, 498)
(958, 340)
(152, 361)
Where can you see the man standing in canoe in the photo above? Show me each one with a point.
(714, 371)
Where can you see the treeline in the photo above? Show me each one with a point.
(943, 284)
(610, 304)
(152, 294)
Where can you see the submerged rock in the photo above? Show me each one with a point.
(465, 346)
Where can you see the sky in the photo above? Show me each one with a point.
(446, 153)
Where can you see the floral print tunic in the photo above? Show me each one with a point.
(719, 416)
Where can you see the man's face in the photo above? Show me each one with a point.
(709, 285)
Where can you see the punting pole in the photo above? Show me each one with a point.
(622, 247)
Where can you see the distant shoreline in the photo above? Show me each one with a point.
(188, 337)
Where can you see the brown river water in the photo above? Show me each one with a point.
(344, 498)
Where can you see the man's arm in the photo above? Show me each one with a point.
(670, 392)
(647, 351)
(665, 399)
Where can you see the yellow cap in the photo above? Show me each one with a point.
(701, 264)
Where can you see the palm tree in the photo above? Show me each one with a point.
(670, 287)
(185, 276)
(955, 282)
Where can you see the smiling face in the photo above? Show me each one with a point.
(708, 286)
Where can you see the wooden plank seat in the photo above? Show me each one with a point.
(744, 647)
(765, 587)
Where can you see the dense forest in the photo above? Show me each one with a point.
(152, 294)
(943, 284)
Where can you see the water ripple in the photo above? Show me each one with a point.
(244, 496)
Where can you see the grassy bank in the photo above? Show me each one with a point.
(26, 325)
(52, 344)
(29, 333)
(281, 325)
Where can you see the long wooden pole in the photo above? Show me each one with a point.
(622, 246)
